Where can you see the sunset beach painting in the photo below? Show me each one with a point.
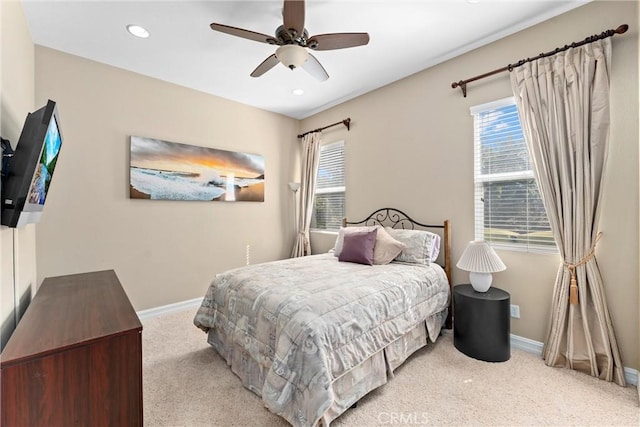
(164, 170)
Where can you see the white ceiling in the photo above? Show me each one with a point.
(406, 37)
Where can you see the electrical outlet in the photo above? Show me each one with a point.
(515, 311)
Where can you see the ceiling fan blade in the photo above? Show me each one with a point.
(337, 41)
(266, 65)
(313, 67)
(245, 34)
(293, 15)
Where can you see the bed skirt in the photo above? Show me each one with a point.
(351, 386)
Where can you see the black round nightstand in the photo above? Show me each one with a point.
(481, 323)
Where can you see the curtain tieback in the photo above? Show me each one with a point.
(573, 286)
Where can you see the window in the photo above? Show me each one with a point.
(329, 201)
(508, 209)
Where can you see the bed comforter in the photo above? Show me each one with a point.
(308, 321)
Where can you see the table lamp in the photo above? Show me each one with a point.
(480, 260)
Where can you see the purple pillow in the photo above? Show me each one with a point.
(358, 247)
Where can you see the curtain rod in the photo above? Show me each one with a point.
(609, 33)
(346, 122)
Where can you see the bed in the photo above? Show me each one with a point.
(313, 335)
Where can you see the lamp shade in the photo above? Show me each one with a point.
(292, 55)
(479, 257)
(295, 186)
(480, 260)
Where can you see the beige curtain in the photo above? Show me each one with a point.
(310, 159)
(563, 101)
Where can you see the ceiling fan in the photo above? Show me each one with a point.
(293, 39)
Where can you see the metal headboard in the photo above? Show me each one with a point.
(395, 218)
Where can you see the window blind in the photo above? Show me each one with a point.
(329, 208)
(508, 206)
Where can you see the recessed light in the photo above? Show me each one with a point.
(297, 91)
(138, 31)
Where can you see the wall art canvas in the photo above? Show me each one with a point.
(166, 170)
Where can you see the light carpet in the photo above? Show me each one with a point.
(186, 383)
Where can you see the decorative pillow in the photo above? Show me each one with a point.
(358, 247)
(348, 230)
(387, 248)
(419, 245)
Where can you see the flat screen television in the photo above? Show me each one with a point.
(25, 184)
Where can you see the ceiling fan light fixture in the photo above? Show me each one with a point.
(291, 55)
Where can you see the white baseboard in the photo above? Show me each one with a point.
(535, 347)
(169, 308)
(530, 346)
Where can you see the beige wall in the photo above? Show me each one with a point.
(411, 147)
(17, 246)
(163, 251)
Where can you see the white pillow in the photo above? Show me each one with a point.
(422, 247)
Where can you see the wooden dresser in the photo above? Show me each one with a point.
(75, 358)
